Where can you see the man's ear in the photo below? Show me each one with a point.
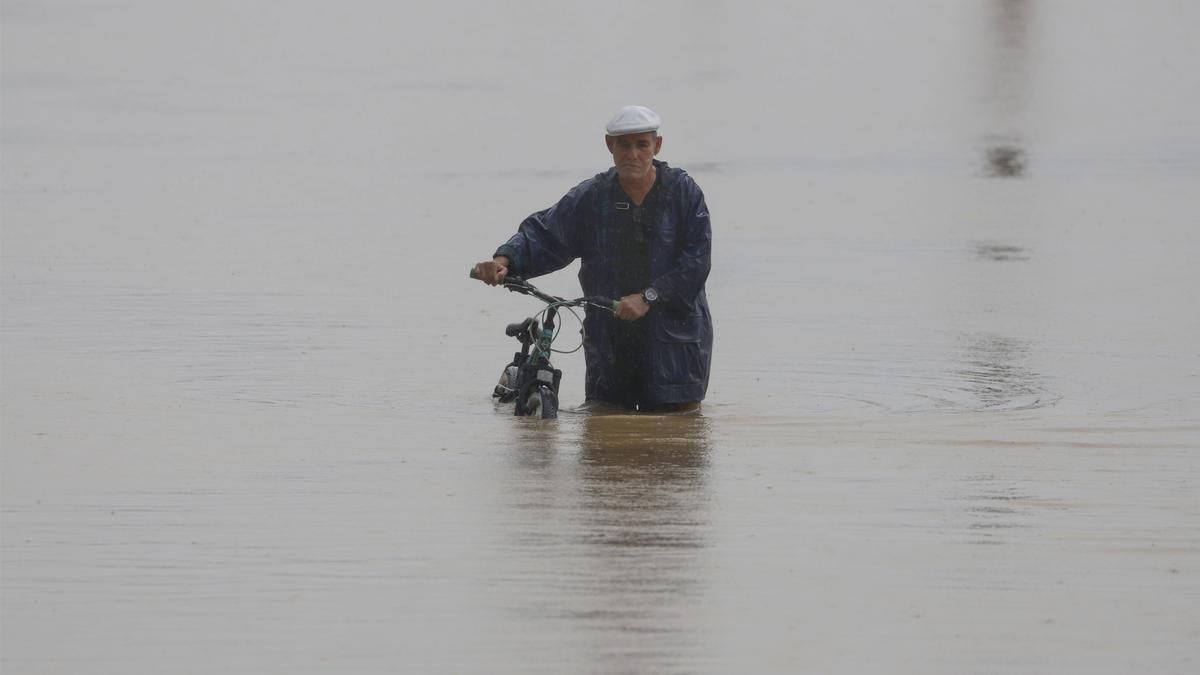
(608, 141)
(657, 144)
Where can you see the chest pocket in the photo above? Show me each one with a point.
(664, 228)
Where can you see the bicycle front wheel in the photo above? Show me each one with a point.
(548, 404)
(542, 402)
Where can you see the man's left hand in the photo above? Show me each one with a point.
(632, 307)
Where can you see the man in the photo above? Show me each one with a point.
(641, 231)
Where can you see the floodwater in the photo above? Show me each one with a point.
(954, 417)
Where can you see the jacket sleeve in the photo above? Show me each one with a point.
(548, 240)
(684, 281)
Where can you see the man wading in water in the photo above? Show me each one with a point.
(642, 234)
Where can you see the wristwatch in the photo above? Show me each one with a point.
(650, 295)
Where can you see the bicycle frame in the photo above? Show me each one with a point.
(531, 380)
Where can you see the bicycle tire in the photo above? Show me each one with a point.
(547, 403)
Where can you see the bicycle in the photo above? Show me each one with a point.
(530, 380)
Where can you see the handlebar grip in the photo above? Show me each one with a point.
(604, 302)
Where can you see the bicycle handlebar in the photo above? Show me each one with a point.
(519, 285)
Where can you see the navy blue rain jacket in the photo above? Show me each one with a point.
(679, 335)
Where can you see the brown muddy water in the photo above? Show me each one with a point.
(954, 418)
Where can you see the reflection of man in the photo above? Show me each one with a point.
(646, 445)
(646, 478)
(641, 231)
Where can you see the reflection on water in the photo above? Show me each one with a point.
(994, 506)
(1005, 160)
(613, 516)
(641, 528)
(995, 252)
(995, 369)
(643, 478)
(1005, 155)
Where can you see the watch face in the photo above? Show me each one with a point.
(650, 294)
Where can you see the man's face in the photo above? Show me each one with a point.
(633, 154)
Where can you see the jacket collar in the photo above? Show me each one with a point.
(667, 176)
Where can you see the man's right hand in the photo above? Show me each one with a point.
(493, 271)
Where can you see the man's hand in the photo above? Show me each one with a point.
(493, 272)
(632, 307)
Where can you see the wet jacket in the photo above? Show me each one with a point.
(677, 337)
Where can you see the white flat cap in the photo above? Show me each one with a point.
(633, 119)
